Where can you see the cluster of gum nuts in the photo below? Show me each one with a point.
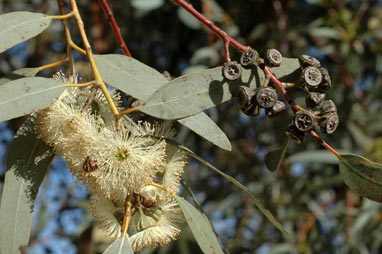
(314, 80)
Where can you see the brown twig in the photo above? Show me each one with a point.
(94, 68)
(308, 225)
(68, 39)
(114, 26)
(223, 35)
(127, 216)
(52, 65)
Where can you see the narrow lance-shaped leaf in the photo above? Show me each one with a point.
(200, 226)
(204, 126)
(362, 140)
(17, 74)
(315, 156)
(140, 81)
(275, 156)
(16, 27)
(256, 200)
(27, 163)
(195, 92)
(192, 93)
(362, 175)
(129, 75)
(120, 246)
(27, 95)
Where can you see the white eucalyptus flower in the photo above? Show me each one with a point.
(108, 216)
(155, 225)
(126, 163)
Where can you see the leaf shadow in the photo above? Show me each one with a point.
(216, 87)
(28, 159)
(216, 92)
(292, 77)
(14, 75)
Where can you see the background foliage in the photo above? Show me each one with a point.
(306, 194)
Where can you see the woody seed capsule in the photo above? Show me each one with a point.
(326, 82)
(328, 107)
(329, 124)
(306, 61)
(294, 134)
(249, 57)
(231, 70)
(244, 98)
(311, 76)
(314, 99)
(304, 120)
(275, 110)
(266, 97)
(273, 58)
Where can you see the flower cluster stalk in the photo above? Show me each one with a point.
(97, 75)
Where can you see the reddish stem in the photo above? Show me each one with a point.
(280, 87)
(223, 35)
(115, 27)
(229, 40)
(324, 144)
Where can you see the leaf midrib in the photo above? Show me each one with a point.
(359, 173)
(31, 94)
(20, 24)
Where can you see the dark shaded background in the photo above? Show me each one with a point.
(306, 194)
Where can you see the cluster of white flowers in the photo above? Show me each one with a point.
(115, 162)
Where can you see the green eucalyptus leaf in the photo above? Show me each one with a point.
(205, 56)
(23, 96)
(255, 199)
(324, 32)
(140, 81)
(192, 93)
(27, 163)
(276, 155)
(120, 246)
(200, 226)
(20, 73)
(205, 127)
(362, 140)
(188, 19)
(16, 27)
(129, 75)
(362, 175)
(317, 156)
(288, 67)
(146, 5)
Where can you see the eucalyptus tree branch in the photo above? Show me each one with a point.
(114, 26)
